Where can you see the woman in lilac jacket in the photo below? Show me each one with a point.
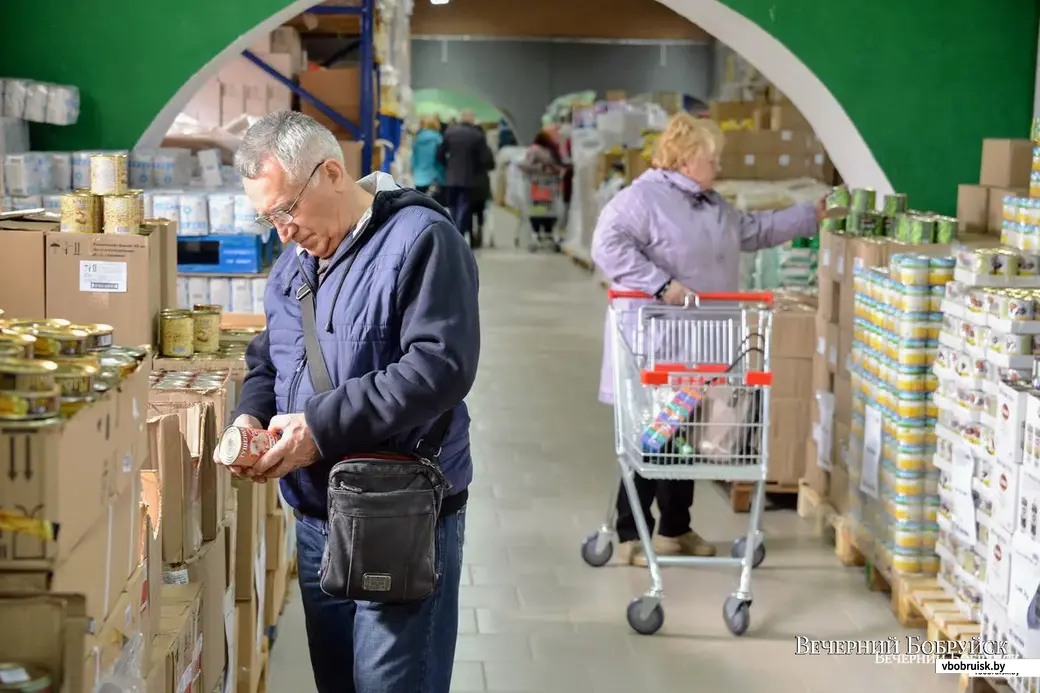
(669, 235)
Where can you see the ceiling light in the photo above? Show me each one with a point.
(438, 2)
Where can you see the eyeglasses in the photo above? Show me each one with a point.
(284, 217)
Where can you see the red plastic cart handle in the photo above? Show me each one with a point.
(732, 297)
(662, 373)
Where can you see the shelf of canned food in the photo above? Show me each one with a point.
(895, 497)
(51, 369)
(197, 333)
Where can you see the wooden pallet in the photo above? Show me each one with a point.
(973, 685)
(853, 549)
(925, 600)
(740, 493)
(818, 510)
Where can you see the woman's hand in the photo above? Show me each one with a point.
(676, 294)
(821, 209)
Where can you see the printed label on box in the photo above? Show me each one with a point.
(98, 276)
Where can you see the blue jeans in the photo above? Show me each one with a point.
(367, 647)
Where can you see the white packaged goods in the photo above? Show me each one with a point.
(194, 218)
(245, 214)
(62, 105)
(220, 292)
(166, 206)
(241, 295)
(36, 102)
(15, 94)
(141, 169)
(171, 168)
(81, 170)
(148, 206)
(198, 291)
(61, 171)
(22, 175)
(210, 165)
(183, 298)
(259, 287)
(52, 203)
(5, 204)
(23, 203)
(221, 213)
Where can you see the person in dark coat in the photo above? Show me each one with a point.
(466, 156)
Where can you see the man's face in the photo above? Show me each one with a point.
(316, 222)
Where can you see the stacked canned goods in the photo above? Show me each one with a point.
(52, 368)
(108, 206)
(187, 333)
(893, 487)
(188, 380)
(1020, 223)
(988, 344)
(206, 321)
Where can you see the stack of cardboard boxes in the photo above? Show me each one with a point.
(769, 139)
(1005, 170)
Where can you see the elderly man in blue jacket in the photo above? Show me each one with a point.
(394, 297)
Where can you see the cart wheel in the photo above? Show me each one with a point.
(738, 549)
(589, 552)
(648, 624)
(737, 613)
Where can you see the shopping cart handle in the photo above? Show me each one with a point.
(737, 297)
(707, 297)
(663, 373)
(614, 294)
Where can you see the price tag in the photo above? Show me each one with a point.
(869, 482)
(97, 276)
(962, 473)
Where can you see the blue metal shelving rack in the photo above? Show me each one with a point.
(365, 130)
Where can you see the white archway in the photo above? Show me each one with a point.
(846, 147)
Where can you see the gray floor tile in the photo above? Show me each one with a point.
(534, 617)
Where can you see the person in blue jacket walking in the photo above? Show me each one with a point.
(426, 171)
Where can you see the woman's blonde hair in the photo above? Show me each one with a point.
(431, 122)
(685, 138)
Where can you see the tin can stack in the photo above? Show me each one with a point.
(988, 433)
(1020, 224)
(51, 369)
(893, 489)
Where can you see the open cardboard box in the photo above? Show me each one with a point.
(47, 631)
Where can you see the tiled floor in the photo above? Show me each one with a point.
(534, 616)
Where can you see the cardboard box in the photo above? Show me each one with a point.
(723, 111)
(788, 431)
(208, 569)
(352, 152)
(843, 401)
(973, 208)
(22, 293)
(815, 476)
(844, 348)
(833, 345)
(164, 231)
(829, 297)
(180, 489)
(995, 209)
(340, 89)
(49, 631)
(822, 377)
(1006, 163)
(838, 491)
(274, 602)
(793, 330)
(98, 567)
(251, 540)
(249, 616)
(792, 378)
(179, 645)
(198, 431)
(104, 278)
(69, 473)
(787, 117)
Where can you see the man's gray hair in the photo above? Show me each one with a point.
(296, 141)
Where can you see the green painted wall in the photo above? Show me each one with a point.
(924, 80)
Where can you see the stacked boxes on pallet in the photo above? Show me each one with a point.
(989, 419)
(893, 489)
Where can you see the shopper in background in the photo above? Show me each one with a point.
(506, 138)
(669, 235)
(394, 291)
(543, 159)
(427, 172)
(466, 156)
(481, 196)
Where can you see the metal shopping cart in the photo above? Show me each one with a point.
(691, 392)
(544, 200)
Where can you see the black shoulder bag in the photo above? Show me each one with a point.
(383, 508)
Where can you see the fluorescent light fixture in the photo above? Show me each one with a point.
(438, 2)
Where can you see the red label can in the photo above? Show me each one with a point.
(243, 447)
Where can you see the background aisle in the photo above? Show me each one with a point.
(534, 617)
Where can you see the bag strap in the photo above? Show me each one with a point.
(319, 370)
